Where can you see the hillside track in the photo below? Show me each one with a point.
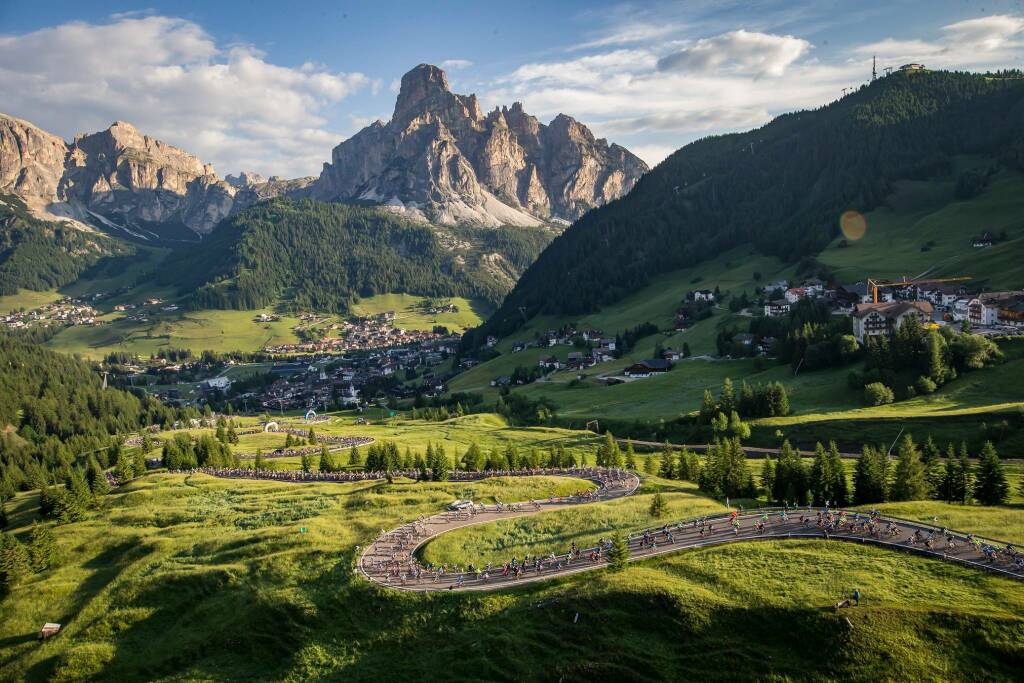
(391, 559)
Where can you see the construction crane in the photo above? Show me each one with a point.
(875, 285)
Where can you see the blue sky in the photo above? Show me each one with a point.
(272, 86)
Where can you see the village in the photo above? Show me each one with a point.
(356, 334)
(65, 312)
(875, 307)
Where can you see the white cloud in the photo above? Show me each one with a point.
(652, 154)
(744, 52)
(167, 76)
(987, 33)
(455, 64)
(983, 43)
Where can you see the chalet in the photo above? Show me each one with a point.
(502, 381)
(942, 295)
(607, 344)
(671, 355)
(814, 287)
(703, 295)
(518, 346)
(646, 368)
(575, 359)
(777, 308)
(1012, 312)
(215, 384)
(986, 309)
(548, 363)
(871, 320)
(682, 320)
(601, 356)
(794, 294)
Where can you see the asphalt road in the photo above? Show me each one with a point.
(390, 559)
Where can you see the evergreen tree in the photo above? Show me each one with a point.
(990, 486)
(327, 463)
(259, 464)
(42, 547)
(727, 397)
(618, 555)
(909, 481)
(306, 462)
(232, 435)
(15, 565)
(125, 469)
(97, 479)
(650, 464)
(870, 477)
(768, 475)
(630, 457)
(964, 483)
(668, 462)
(139, 462)
(790, 477)
(932, 467)
(354, 458)
(659, 507)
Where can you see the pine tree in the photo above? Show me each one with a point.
(354, 458)
(42, 547)
(870, 477)
(618, 555)
(630, 457)
(139, 463)
(727, 397)
(658, 505)
(124, 470)
(909, 481)
(15, 565)
(97, 478)
(768, 475)
(668, 462)
(232, 435)
(965, 477)
(326, 460)
(306, 462)
(990, 486)
(650, 464)
(932, 467)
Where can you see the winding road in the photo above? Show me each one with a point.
(390, 560)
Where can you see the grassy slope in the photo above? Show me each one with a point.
(917, 213)
(410, 316)
(197, 330)
(196, 578)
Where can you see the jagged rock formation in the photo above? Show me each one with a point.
(122, 178)
(31, 160)
(442, 159)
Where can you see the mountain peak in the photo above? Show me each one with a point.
(420, 84)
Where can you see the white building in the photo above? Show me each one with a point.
(871, 320)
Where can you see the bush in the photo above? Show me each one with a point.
(925, 385)
(876, 394)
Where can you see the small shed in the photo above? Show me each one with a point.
(49, 629)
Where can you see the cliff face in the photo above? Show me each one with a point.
(439, 159)
(31, 160)
(442, 159)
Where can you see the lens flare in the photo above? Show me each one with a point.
(853, 225)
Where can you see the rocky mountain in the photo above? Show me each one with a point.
(119, 178)
(440, 158)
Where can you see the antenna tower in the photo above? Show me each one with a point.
(874, 71)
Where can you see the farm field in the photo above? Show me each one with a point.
(410, 311)
(212, 330)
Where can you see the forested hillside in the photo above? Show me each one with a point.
(54, 410)
(781, 188)
(323, 256)
(40, 255)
